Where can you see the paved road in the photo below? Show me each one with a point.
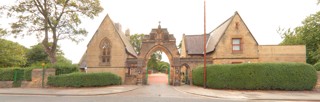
(156, 91)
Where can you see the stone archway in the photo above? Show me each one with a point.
(186, 74)
(159, 39)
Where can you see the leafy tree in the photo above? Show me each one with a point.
(2, 32)
(11, 53)
(51, 20)
(153, 62)
(136, 41)
(308, 34)
(163, 66)
(36, 56)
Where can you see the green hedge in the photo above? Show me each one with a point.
(317, 66)
(258, 76)
(8, 74)
(84, 80)
(65, 69)
(28, 74)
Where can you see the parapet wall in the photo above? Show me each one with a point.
(279, 53)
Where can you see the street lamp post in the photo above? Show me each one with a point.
(204, 49)
(42, 75)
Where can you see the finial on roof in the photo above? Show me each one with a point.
(159, 26)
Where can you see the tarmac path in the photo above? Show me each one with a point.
(157, 91)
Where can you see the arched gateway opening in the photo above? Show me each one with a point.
(159, 39)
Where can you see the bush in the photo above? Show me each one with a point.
(65, 68)
(258, 76)
(8, 74)
(84, 80)
(317, 66)
(28, 74)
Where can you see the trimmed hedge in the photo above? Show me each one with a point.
(8, 74)
(258, 76)
(317, 66)
(65, 69)
(28, 74)
(84, 80)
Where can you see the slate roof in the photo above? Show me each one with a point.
(216, 34)
(194, 43)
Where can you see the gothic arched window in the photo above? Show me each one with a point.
(105, 52)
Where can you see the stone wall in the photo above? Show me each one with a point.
(37, 78)
(276, 53)
(6, 84)
(36, 81)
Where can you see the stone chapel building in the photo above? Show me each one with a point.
(232, 42)
(109, 50)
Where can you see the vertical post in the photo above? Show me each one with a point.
(42, 75)
(204, 49)
(15, 75)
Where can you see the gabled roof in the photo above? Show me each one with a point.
(123, 38)
(126, 41)
(216, 35)
(194, 44)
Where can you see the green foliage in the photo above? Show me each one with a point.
(258, 76)
(162, 66)
(8, 74)
(28, 74)
(19, 76)
(65, 68)
(197, 76)
(317, 66)
(308, 34)
(52, 20)
(2, 32)
(84, 80)
(136, 41)
(11, 54)
(37, 55)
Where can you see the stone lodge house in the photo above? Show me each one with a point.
(231, 42)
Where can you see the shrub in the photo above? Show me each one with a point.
(28, 74)
(317, 66)
(7, 74)
(65, 68)
(84, 80)
(258, 76)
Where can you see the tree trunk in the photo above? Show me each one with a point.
(52, 57)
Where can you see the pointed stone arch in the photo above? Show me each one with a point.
(160, 40)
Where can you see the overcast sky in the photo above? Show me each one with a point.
(263, 18)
